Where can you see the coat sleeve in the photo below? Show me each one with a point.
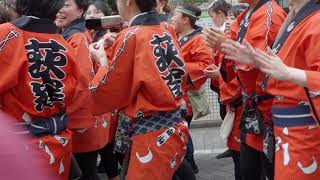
(201, 56)
(112, 86)
(80, 111)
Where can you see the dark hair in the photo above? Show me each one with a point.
(237, 10)
(196, 11)
(82, 4)
(4, 15)
(39, 8)
(102, 6)
(219, 5)
(146, 5)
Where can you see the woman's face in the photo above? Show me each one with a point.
(178, 21)
(69, 13)
(217, 18)
(230, 20)
(93, 12)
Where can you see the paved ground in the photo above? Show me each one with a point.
(207, 144)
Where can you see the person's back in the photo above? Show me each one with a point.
(153, 72)
(144, 81)
(38, 75)
(37, 66)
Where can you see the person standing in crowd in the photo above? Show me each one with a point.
(92, 136)
(218, 11)
(39, 66)
(259, 25)
(97, 9)
(293, 74)
(230, 95)
(109, 162)
(145, 59)
(197, 56)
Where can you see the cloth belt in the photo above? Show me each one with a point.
(41, 127)
(126, 128)
(293, 116)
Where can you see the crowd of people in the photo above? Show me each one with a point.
(127, 96)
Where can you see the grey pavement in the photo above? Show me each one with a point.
(207, 144)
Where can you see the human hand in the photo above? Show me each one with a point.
(271, 64)
(212, 72)
(241, 53)
(98, 53)
(213, 38)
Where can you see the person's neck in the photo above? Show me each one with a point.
(186, 31)
(133, 13)
(253, 3)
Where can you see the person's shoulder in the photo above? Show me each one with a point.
(311, 25)
(270, 8)
(10, 36)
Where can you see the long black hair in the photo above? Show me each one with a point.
(102, 6)
(82, 4)
(39, 8)
(146, 5)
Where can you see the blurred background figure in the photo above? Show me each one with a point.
(109, 162)
(218, 11)
(97, 9)
(197, 57)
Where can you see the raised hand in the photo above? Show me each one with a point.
(214, 38)
(241, 53)
(98, 53)
(271, 64)
(109, 39)
(212, 71)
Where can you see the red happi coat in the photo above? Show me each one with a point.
(144, 79)
(92, 133)
(298, 147)
(32, 55)
(263, 27)
(197, 57)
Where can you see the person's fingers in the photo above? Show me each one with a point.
(227, 46)
(262, 63)
(217, 31)
(248, 45)
(271, 53)
(263, 55)
(232, 57)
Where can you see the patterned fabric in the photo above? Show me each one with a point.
(126, 129)
(158, 121)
